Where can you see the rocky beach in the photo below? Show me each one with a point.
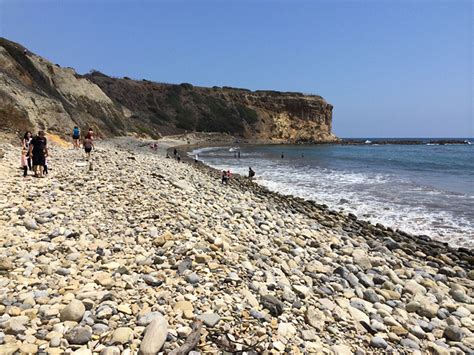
(135, 253)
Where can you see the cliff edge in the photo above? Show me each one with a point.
(35, 93)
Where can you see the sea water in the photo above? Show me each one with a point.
(420, 189)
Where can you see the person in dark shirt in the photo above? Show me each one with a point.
(251, 173)
(38, 153)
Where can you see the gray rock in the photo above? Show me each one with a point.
(104, 312)
(148, 318)
(452, 332)
(273, 304)
(79, 335)
(30, 224)
(417, 331)
(184, 265)
(209, 319)
(409, 343)
(55, 342)
(151, 280)
(16, 325)
(378, 342)
(309, 334)
(99, 328)
(256, 314)
(74, 311)
(155, 336)
(21, 211)
(365, 280)
(63, 271)
(111, 350)
(371, 296)
(315, 318)
(428, 309)
(192, 278)
(352, 279)
(232, 276)
(460, 296)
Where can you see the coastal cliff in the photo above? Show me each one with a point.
(35, 93)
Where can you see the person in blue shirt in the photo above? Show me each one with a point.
(76, 135)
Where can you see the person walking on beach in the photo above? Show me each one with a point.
(25, 145)
(196, 158)
(88, 144)
(38, 152)
(76, 135)
(90, 134)
(175, 152)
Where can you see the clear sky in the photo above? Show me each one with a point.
(391, 68)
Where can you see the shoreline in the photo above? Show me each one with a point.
(136, 251)
(408, 241)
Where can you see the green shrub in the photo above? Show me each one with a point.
(185, 120)
(247, 114)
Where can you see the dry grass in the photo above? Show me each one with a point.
(54, 139)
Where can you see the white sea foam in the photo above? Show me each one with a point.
(383, 198)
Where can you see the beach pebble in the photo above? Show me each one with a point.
(74, 311)
(155, 336)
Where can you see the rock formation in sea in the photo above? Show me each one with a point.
(35, 93)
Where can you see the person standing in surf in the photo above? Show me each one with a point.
(251, 173)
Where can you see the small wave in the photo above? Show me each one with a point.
(204, 150)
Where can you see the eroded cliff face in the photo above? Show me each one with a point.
(37, 94)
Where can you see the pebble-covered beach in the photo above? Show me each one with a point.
(136, 253)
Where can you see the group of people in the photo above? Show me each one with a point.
(226, 175)
(87, 142)
(34, 154)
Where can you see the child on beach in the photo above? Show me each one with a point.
(24, 162)
(46, 162)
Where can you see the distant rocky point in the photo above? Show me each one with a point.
(37, 94)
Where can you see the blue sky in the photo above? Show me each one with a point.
(390, 68)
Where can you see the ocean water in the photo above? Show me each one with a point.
(420, 189)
